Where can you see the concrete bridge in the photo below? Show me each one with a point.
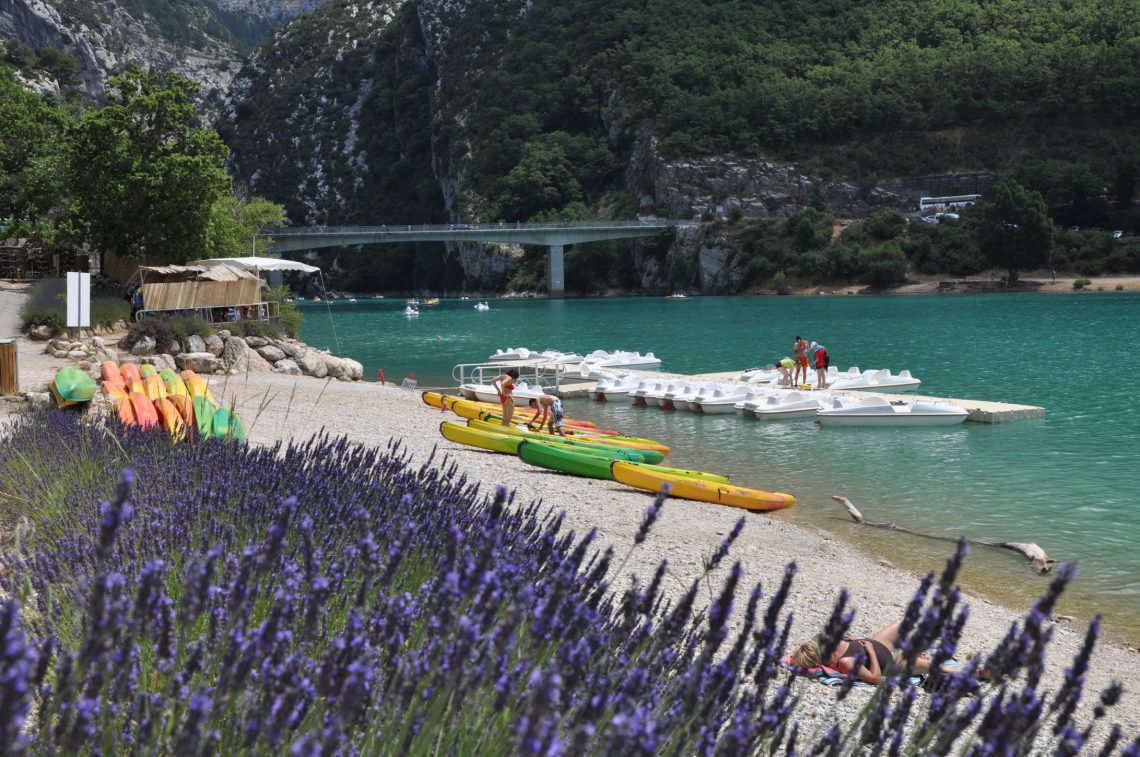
(553, 235)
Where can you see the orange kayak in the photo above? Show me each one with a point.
(145, 414)
(154, 388)
(111, 373)
(184, 403)
(113, 390)
(126, 411)
(130, 372)
(170, 418)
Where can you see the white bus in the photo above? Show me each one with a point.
(950, 203)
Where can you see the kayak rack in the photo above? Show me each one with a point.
(546, 375)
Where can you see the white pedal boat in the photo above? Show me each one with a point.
(786, 405)
(516, 353)
(881, 380)
(644, 387)
(877, 410)
(523, 392)
(620, 359)
(683, 400)
(612, 389)
(721, 400)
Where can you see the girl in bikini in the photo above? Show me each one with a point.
(882, 654)
(504, 384)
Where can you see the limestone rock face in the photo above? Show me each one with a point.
(144, 346)
(313, 364)
(214, 345)
(199, 362)
(288, 366)
(271, 353)
(195, 343)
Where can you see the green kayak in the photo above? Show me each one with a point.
(565, 460)
(72, 386)
(228, 425)
(203, 416)
(611, 451)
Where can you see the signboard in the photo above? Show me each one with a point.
(78, 300)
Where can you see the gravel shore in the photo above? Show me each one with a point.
(281, 408)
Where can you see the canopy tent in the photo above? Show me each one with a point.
(259, 264)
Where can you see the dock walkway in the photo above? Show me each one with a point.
(979, 411)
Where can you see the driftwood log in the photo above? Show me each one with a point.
(1041, 561)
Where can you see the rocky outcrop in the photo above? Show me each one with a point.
(199, 362)
(239, 358)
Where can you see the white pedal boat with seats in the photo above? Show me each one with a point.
(720, 400)
(787, 405)
(523, 392)
(881, 380)
(612, 389)
(644, 387)
(877, 410)
(516, 353)
(683, 400)
(620, 359)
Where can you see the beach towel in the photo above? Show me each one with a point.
(831, 677)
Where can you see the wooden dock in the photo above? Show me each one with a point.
(979, 411)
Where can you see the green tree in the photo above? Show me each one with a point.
(32, 134)
(234, 223)
(1015, 231)
(144, 178)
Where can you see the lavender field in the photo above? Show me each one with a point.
(327, 598)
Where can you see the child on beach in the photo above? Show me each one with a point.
(504, 384)
(548, 404)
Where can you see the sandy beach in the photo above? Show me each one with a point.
(282, 408)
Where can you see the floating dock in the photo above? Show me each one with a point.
(979, 411)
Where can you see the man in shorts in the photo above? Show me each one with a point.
(820, 357)
(799, 351)
(547, 406)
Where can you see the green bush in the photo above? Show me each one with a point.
(254, 328)
(289, 314)
(33, 315)
(106, 311)
(1081, 283)
(189, 325)
(883, 265)
(157, 329)
(1120, 287)
(778, 282)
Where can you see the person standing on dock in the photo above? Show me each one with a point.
(548, 406)
(799, 350)
(821, 360)
(504, 385)
(785, 366)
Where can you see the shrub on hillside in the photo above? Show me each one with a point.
(883, 265)
(47, 306)
(328, 598)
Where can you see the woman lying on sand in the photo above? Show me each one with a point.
(882, 654)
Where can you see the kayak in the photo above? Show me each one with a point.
(703, 491)
(715, 478)
(110, 372)
(170, 418)
(153, 387)
(612, 451)
(145, 414)
(473, 437)
(146, 369)
(185, 406)
(203, 416)
(565, 460)
(72, 386)
(175, 386)
(166, 373)
(130, 372)
(228, 425)
(126, 411)
(197, 387)
(113, 390)
(472, 409)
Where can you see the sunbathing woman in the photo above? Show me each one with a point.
(882, 655)
(504, 384)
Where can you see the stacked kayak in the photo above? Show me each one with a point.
(146, 397)
(72, 386)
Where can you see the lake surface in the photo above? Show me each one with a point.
(1070, 482)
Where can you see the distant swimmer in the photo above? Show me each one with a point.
(549, 411)
(504, 385)
(821, 359)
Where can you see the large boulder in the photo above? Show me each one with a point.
(161, 361)
(287, 366)
(292, 349)
(336, 367)
(40, 333)
(256, 341)
(271, 353)
(195, 343)
(354, 369)
(171, 348)
(144, 346)
(59, 344)
(214, 344)
(312, 363)
(239, 358)
(199, 362)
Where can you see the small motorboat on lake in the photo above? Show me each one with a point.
(877, 410)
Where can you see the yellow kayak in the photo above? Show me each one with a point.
(197, 387)
(640, 477)
(153, 387)
(474, 437)
(175, 386)
(626, 453)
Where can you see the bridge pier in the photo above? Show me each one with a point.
(556, 272)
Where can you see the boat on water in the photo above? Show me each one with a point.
(877, 410)
(644, 388)
(612, 389)
(481, 306)
(411, 310)
(622, 359)
(683, 399)
(431, 301)
(880, 380)
(677, 296)
(719, 401)
(784, 405)
(523, 392)
(513, 353)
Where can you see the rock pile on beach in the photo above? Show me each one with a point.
(220, 353)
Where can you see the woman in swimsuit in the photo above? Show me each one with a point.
(504, 384)
(881, 649)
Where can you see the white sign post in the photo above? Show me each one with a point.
(78, 300)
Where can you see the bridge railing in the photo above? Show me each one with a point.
(494, 226)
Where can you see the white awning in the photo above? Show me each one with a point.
(259, 264)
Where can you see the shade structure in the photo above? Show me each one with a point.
(259, 264)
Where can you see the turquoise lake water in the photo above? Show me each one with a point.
(1070, 482)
